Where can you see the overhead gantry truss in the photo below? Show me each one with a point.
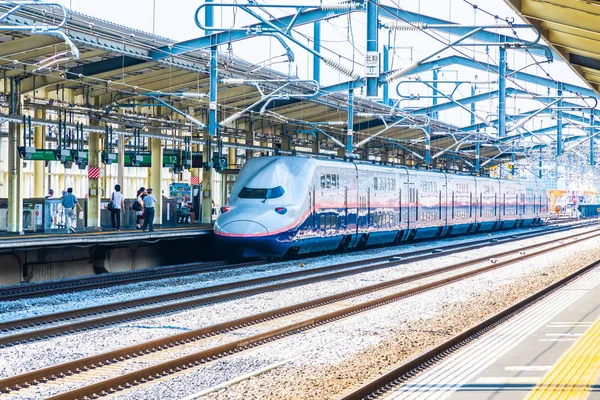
(120, 68)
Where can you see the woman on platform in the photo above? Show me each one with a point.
(138, 207)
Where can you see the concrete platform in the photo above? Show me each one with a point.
(549, 351)
(53, 240)
(41, 257)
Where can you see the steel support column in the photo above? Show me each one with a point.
(15, 165)
(502, 93)
(207, 175)
(592, 149)
(559, 125)
(156, 168)
(540, 165)
(39, 167)
(249, 141)
(372, 40)
(94, 185)
(349, 145)
(317, 48)
(428, 146)
(434, 114)
(195, 172)
(120, 166)
(231, 156)
(477, 143)
(512, 164)
(386, 66)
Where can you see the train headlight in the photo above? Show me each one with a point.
(224, 209)
(281, 210)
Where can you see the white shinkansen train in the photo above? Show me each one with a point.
(291, 205)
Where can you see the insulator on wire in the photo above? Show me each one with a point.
(405, 26)
(403, 72)
(338, 6)
(341, 68)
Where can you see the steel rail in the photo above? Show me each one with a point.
(106, 280)
(386, 382)
(157, 371)
(100, 281)
(344, 269)
(77, 366)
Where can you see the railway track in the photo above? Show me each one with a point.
(104, 315)
(182, 350)
(112, 279)
(380, 386)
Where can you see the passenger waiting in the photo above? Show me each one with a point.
(185, 211)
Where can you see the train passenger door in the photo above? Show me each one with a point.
(369, 216)
(412, 204)
(344, 222)
(312, 208)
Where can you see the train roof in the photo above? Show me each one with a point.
(339, 162)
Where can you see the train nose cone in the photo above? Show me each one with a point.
(243, 228)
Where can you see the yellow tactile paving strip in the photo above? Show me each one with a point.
(575, 372)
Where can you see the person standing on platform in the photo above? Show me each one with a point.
(118, 206)
(138, 207)
(50, 194)
(149, 201)
(69, 201)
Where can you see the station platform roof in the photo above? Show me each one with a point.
(571, 28)
(115, 59)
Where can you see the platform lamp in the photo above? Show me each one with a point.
(62, 153)
(186, 154)
(27, 150)
(108, 157)
(137, 158)
(78, 155)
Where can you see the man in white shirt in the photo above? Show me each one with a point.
(118, 206)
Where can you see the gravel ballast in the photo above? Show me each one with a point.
(322, 362)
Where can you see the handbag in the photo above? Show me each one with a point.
(136, 206)
(111, 207)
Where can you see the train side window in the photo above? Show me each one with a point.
(337, 181)
(333, 180)
(323, 181)
(323, 222)
(328, 180)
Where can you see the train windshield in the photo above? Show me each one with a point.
(263, 194)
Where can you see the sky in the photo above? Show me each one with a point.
(344, 39)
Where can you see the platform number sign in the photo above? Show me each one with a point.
(372, 64)
(170, 159)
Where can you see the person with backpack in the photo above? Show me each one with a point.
(116, 207)
(138, 207)
(69, 201)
